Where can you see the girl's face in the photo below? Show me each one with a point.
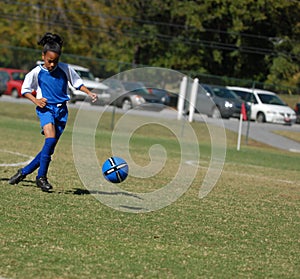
(50, 60)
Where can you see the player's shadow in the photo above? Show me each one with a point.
(78, 191)
(24, 183)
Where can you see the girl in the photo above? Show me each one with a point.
(50, 81)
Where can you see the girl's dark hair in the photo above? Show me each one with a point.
(51, 42)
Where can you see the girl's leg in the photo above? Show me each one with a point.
(45, 157)
(47, 150)
(33, 165)
(52, 134)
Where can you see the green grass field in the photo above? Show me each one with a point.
(247, 227)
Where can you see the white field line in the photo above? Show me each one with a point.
(18, 163)
(294, 150)
(237, 173)
(187, 162)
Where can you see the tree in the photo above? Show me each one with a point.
(233, 38)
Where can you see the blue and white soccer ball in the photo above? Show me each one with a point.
(115, 169)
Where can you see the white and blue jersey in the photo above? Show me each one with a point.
(51, 85)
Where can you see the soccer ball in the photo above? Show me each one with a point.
(115, 169)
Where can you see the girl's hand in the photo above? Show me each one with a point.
(94, 97)
(41, 102)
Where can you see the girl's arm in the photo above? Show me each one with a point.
(88, 92)
(39, 102)
(29, 84)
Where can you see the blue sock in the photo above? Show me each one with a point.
(33, 165)
(45, 158)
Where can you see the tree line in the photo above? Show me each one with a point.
(245, 39)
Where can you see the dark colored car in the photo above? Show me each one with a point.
(218, 101)
(297, 110)
(161, 93)
(173, 99)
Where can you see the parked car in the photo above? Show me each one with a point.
(14, 80)
(266, 106)
(227, 102)
(217, 101)
(128, 95)
(120, 97)
(297, 110)
(138, 88)
(173, 99)
(3, 81)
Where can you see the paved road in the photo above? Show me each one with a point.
(262, 132)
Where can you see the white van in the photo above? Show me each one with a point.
(266, 106)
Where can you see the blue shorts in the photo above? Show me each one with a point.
(55, 114)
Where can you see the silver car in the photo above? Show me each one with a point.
(130, 94)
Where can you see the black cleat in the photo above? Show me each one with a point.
(17, 177)
(43, 183)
